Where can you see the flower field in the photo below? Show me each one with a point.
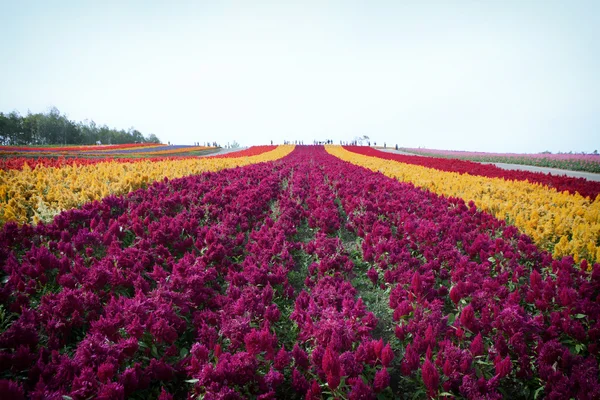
(295, 273)
(114, 151)
(574, 162)
(38, 194)
(561, 221)
(18, 161)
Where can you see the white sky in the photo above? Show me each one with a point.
(518, 76)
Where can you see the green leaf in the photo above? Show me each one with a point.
(451, 319)
(192, 381)
(183, 352)
(65, 397)
(579, 316)
(537, 392)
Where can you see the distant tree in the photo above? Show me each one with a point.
(152, 139)
(55, 128)
(235, 145)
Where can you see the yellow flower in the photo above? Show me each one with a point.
(30, 196)
(562, 223)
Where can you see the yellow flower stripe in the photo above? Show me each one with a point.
(562, 223)
(33, 195)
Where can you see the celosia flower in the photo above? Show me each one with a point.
(387, 355)
(431, 378)
(382, 380)
(331, 367)
(476, 346)
(502, 366)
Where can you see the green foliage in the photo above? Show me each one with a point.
(54, 128)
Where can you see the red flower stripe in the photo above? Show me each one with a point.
(57, 162)
(561, 183)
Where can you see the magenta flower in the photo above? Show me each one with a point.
(382, 380)
(502, 366)
(431, 378)
(476, 346)
(331, 367)
(387, 355)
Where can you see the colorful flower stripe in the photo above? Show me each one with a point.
(147, 150)
(479, 311)
(574, 162)
(251, 151)
(188, 293)
(273, 280)
(167, 150)
(38, 195)
(562, 223)
(19, 162)
(76, 148)
(572, 185)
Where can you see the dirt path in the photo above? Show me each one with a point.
(554, 171)
(224, 151)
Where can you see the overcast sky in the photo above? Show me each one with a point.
(518, 76)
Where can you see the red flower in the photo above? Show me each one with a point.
(106, 372)
(314, 393)
(373, 275)
(476, 347)
(431, 378)
(503, 366)
(382, 380)
(387, 355)
(331, 367)
(467, 318)
(218, 351)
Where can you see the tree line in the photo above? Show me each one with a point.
(54, 128)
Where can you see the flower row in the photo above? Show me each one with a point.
(561, 183)
(19, 162)
(562, 223)
(37, 195)
(479, 311)
(574, 162)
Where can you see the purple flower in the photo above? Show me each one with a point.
(11, 390)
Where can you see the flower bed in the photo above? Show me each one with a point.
(303, 277)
